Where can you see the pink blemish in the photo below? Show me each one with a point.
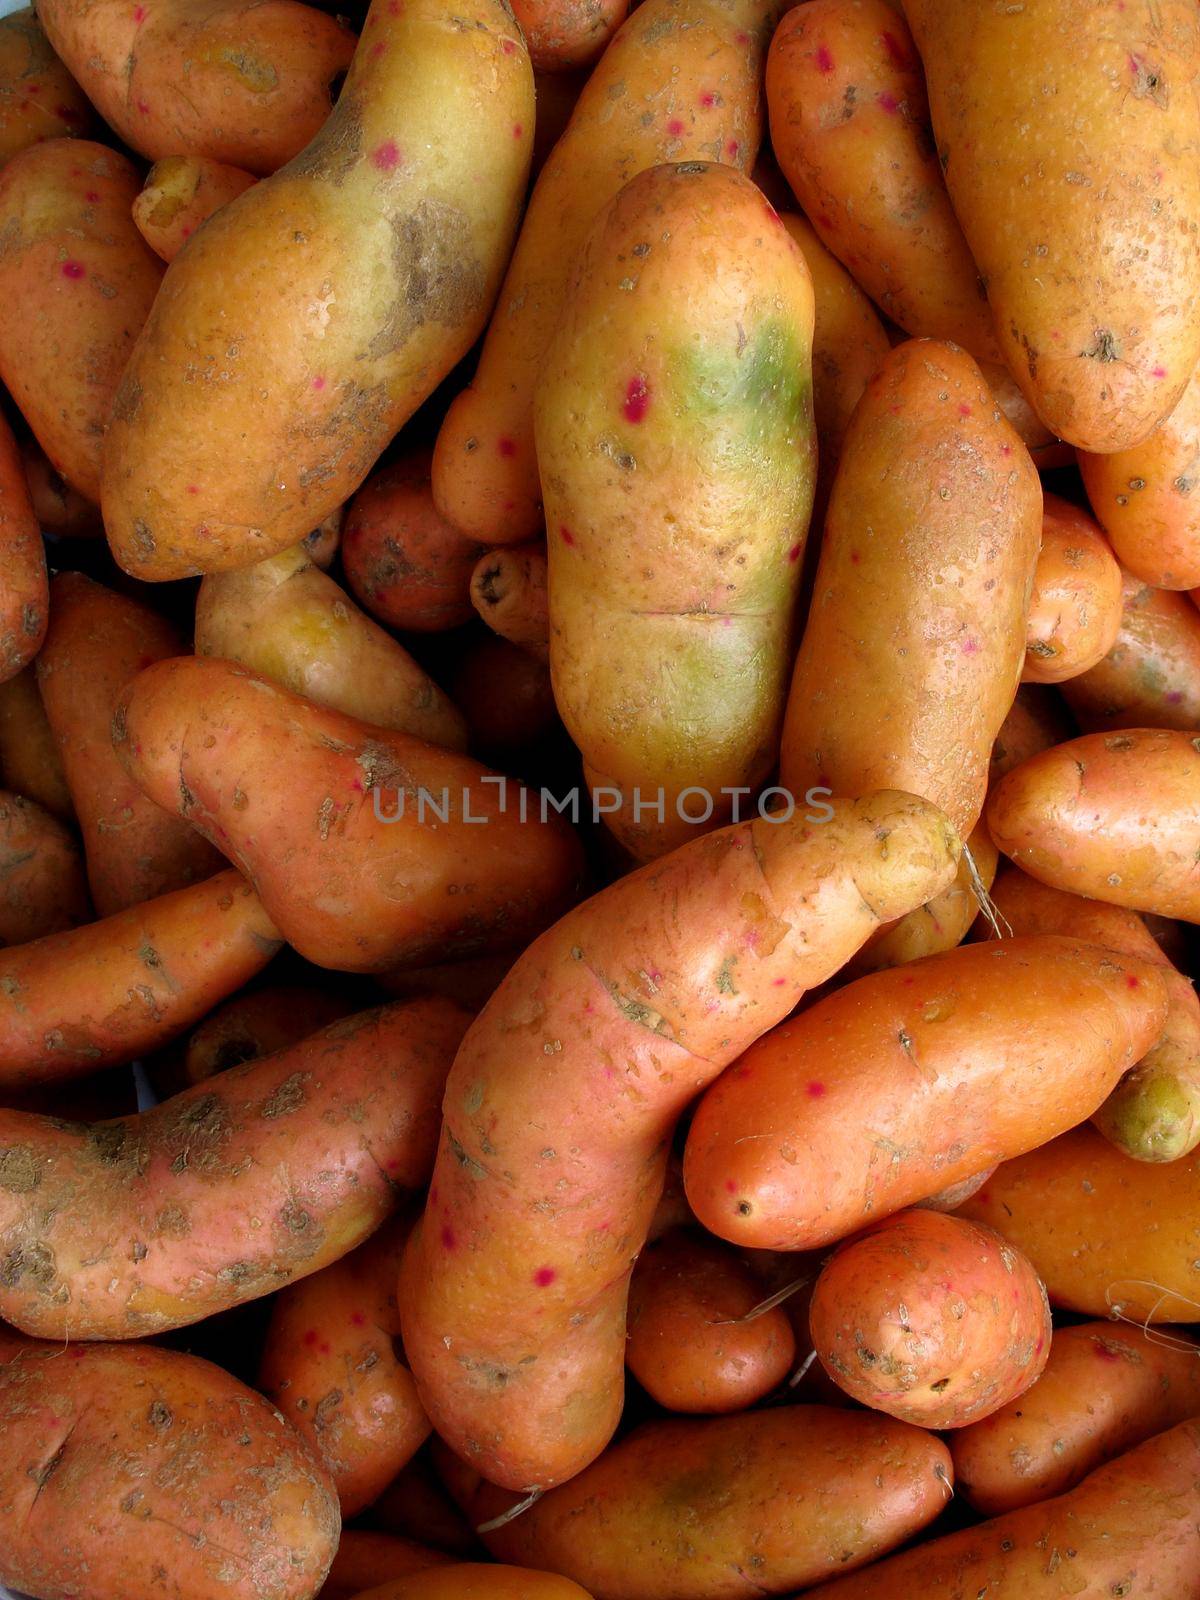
(733, 149)
(357, 1320)
(730, 1186)
(510, 505)
(1104, 1353)
(824, 60)
(637, 400)
(984, 1197)
(74, 269)
(544, 1277)
(34, 88)
(379, 48)
(356, 787)
(815, 1090)
(392, 1162)
(1174, 696)
(1135, 64)
(395, 8)
(186, 230)
(895, 410)
(887, 102)
(1131, 982)
(778, 983)
(386, 156)
(708, 99)
(565, 534)
(143, 107)
(794, 554)
(508, 47)
(193, 488)
(78, 1352)
(67, 113)
(433, 1194)
(1006, 450)
(311, 1338)
(1039, 1347)
(964, 411)
(895, 49)
(507, 447)
(908, 982)
(855, 558)
(318, 382)
(675, 128)
(92, 197)
(1159, 372)
(326, 1347)
(772, 214)
(139, 13)
(518, 130)
(742, 37)
(610, 1072)
(970, 647)
(448, 1239)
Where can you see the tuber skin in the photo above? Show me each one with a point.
(98, 640)
(915, 639)
(561, 1105)
(1153, 1112)
(1150, 677)
(39, 99)
(333, 1366)
(1088, 242)
(85, 281)
(290, 621)
(681, 81)
(328, 301)
(326, 816)
(179, 194)
(692, 1345)
(108, 992)
(720, 1508)
(43, 888)
(931, 1319)
(913, 1078)
(130, 1459)
(1107, 1235)
(24, 586)
(403, 561)
(508, 590)
(235, 81)
(267, 1173)
(1131, 1528)
(1105, 1388)
(1112, 816)
(29, 760)
(850, 129)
